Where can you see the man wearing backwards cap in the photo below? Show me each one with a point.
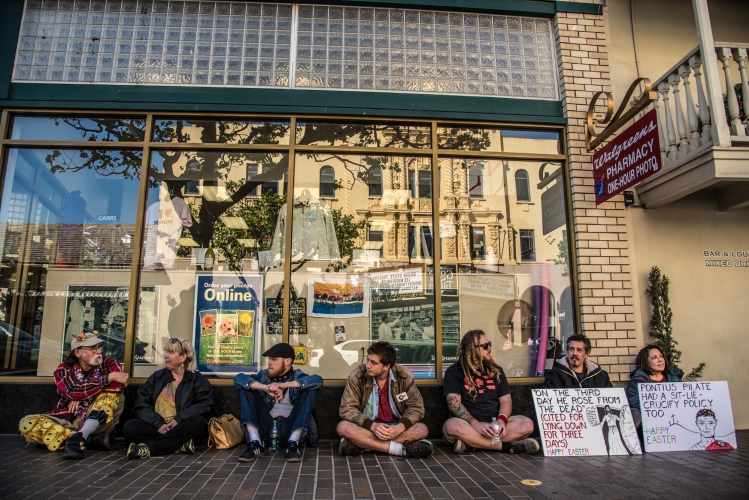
(90, 405)
(282, 393)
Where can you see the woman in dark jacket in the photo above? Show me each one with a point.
(170, 407)
(652, 366)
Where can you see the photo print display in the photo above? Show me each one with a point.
(338, 297)
(226, 322)
(103, 309)
(687, 416)
(585, 422)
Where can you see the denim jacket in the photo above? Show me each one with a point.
(306, 383)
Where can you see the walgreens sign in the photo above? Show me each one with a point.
(633, 156)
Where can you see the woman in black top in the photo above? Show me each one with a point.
(170, 407)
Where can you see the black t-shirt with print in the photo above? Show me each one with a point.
(486, 404)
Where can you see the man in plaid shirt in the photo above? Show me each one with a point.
(91, 401)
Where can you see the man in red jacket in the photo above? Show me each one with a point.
(90, 405)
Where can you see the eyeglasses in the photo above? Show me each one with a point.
(93, 348)
(484, 346)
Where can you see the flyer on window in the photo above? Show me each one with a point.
(227, 321)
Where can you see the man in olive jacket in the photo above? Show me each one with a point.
(381, 408)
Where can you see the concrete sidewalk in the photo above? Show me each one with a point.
(31, 472)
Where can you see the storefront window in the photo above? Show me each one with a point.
(215, 245)
(511, 257)
(351, 264)
(206, 267)
(66, 230)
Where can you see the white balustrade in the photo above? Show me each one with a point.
(686, 122)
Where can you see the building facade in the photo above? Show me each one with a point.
(355, 152)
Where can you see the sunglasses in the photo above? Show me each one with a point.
(484, 346)
(84, 335)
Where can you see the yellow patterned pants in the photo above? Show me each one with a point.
(52, 431)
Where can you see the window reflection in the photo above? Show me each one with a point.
(222, 202)
(498, 140)
(78, 129)
(66, 232)
(510, 256)
(229, 131)
(373, 135)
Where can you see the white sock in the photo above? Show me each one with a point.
(397, 449)
(252, 433)
(89, 426)
(296, 435)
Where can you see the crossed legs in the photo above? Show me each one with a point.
(518, 427)
(366, 440)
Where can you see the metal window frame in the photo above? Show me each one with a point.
(148, 146)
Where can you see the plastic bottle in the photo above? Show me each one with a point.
(496, 439)
(274, 437)
(209, 257)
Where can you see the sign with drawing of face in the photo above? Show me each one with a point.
(687, 416)
(585, 422)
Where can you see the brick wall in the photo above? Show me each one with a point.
(603, 263)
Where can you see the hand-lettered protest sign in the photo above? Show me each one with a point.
(681, 416)
(633, 156)
(580, 422)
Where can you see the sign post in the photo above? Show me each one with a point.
(633, 156)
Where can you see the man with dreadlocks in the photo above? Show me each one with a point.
(477, 391)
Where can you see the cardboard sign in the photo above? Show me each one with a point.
(687, 416)
(633, 156)
(583, 422)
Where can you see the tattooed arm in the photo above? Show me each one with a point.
(457, 408)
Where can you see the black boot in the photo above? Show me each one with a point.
(99, 442)
(75, 446)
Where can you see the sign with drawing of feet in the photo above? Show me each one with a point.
(687, 416)
(585, 422)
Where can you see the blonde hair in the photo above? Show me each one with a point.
(183, 346)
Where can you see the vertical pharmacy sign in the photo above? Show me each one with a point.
(633, 156)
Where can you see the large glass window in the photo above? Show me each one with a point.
(67, 224)
(207, 257)
(218, 237)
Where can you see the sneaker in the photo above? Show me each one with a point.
(459, 448)
(75, 447)
(419, 449)
(293, 453)
(528, 446)
(99, 442)
(138, 451)
(188, 447)
(349, 449)
(253, 451)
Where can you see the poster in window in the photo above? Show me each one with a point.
(103, 309)
(226, 322)
(338, 297)
(407, 320)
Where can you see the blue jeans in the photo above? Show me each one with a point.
(253, 412)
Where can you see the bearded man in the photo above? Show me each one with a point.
(282, 394)
(575, 370)
(91, 401)
(477, 391)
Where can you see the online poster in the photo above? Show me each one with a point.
(227, 322)
(687, 416)
(584, 422)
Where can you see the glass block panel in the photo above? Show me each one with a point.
(219, 43)
(54, 34)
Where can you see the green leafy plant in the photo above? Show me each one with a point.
(563, 257)
(661, 322)
(347, 231)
